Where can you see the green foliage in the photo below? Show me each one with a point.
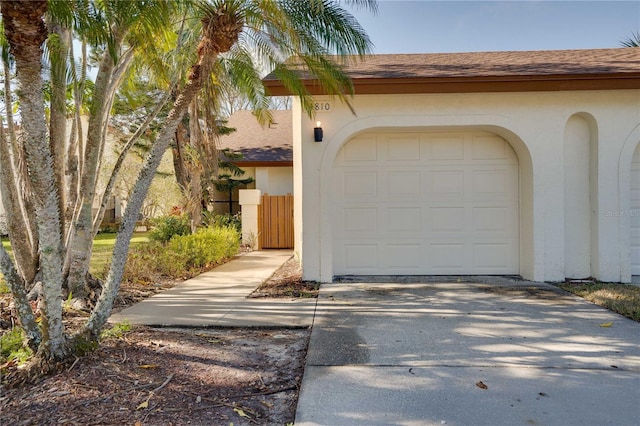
(207, 246)
(210, 219)
(183, 257)
(117, 331)
(109, 228)
(150, 262)
(4, 287)
(166, 227)
(12, 346)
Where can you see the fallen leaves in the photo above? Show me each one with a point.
(606, 324)
(482, 385)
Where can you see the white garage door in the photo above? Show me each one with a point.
(425, 203)
(635, 213)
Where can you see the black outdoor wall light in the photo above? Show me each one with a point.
(317, 132)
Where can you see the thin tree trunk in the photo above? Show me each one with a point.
(18, 291)
(79, 249)
(59, 50)
(22, 249)
(125, 150)
(103, 307)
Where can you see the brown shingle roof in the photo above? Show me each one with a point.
(493, 67)
(269, 144)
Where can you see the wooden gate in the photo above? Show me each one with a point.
(275, 221)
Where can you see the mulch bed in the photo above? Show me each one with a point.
(173, 376)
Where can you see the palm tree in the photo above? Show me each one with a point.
(234, 36)
(632, 41)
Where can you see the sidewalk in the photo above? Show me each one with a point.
(218, 298)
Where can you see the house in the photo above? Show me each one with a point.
(267, 154)
(506, 163)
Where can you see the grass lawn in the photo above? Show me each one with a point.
(102, 248)
(621, 298)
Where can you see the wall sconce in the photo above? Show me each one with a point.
(317, 132)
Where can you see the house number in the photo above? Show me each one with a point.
(322, 106)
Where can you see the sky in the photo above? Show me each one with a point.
(423, 26)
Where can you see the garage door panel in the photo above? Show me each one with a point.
(449, 183)
(404, 219)
(447, 219)
(489, 148)
(447, 148)
(360, 219)
(491, 256)
(360, 150)
(405, 148)
(360, 184)
(491, 219)
(448, 258)
(431, 203)
(403, 257)
(360, 258)
(403, 183)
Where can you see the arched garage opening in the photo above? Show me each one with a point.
(427, 202)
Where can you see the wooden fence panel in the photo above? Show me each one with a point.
(275, 221)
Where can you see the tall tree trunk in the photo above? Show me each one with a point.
(23, 250)
(125, 150)
(59, 49)
(80, 244)
(25, 31)
(103, 307)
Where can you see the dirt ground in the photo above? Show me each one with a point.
(152, 376)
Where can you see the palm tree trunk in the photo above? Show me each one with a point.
(59, 49)
(80, 244)
(125, 150)
(103, 307)
(23, 250)
(25, 31)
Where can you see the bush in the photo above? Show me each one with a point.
(166, 227)
(147, 263)
(12, 346)
(211, 219)
(183, 257)
(207, 246)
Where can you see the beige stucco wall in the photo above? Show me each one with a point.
(544, 128)
(274, 180)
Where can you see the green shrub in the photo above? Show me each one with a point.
(183, 257)
(12, 346)
(221, 220)
(166, 227)
(207, 246)
(116, 331)
(147, 263)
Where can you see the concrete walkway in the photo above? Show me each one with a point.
(218, 298)
(496, 353)
(489, 352)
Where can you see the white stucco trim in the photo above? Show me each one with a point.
(624, 172)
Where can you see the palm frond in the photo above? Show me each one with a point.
(632, 41)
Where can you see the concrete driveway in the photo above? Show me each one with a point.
(501, 352)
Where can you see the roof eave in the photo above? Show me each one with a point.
(510, 83)
(262, 163)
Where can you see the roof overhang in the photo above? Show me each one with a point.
(263, 163)
(476, 84)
